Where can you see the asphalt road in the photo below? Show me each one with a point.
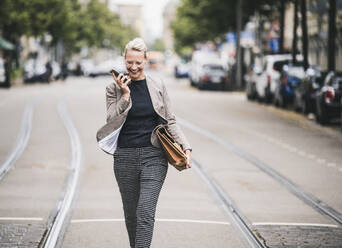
(231, 139)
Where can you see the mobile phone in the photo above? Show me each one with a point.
(117, 73)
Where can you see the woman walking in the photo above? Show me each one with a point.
(136, 104)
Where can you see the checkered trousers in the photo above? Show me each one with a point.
(140, 174)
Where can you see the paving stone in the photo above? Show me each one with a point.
(283, 236)
(14, 235)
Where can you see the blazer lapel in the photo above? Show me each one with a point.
(156, 96)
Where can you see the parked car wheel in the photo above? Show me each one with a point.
(305, 108)
(321, 115)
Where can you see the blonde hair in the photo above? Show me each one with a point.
(136, 44)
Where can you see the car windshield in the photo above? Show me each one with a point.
(213, 67)
(296, 71)
(278, 65)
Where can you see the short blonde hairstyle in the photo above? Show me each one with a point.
(136, 44)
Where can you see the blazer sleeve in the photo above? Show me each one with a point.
(115, 106)
(172, 125)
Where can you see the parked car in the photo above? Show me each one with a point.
(341, 115)
(103, 68)
(207, 71)
(267, 80)
(36, 71)
(328, 100)
(2, 71)
(250, 79)
(306, 92)
(182, 69)
(291, 76)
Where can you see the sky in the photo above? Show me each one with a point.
(152, 12)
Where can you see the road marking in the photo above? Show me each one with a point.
(22, 218)
(291, 224)
(302, 153)
(320, 161)
(311, 156)
(331, 165)
(158, 220)
(22, 140)
(177, 220)
(308, 198)
(294, 149)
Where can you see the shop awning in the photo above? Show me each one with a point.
(4, 44)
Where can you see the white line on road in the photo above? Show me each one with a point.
(293, 149)
(331, 165)
(22, 218)
(158, 220)
(22, 140)
(291, 224)
(175, 220)
(320, 160)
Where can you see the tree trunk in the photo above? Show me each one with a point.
(282, 26)
(304, 35)
(238, 75)
(295, 38)
(332, 35)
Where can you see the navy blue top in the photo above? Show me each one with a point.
(141, 118)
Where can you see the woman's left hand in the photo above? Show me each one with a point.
(189, 159)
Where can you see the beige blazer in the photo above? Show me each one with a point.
(117, 110)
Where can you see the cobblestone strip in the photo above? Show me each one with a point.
(20, 235)
(299, 236)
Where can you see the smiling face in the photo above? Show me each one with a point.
(135, 62)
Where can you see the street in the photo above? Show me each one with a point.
(281, 173)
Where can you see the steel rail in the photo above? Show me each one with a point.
(308, 198)
(60, 218)
(22, 140)
(238, 220)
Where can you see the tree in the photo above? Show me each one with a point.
(282, 26)
(102, 28)
(332, 35)
(295, 36)
(202, 20)
(304, 34)
(158, 45)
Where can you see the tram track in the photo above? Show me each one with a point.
(238, 220)
(60, 217)
(21, 142)
(312, 201)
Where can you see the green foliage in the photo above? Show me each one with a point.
(202, 20)
(102, 28)
(158, 45)
(64, 20)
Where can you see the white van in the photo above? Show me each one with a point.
(207, 70)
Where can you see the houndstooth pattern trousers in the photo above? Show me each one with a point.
(140, 174)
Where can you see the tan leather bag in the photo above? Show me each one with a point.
(173, 151)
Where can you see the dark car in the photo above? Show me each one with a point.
(291, 77)
(341, 115)
(307, 90)
(328, 100)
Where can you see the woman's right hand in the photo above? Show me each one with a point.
(123, 82)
